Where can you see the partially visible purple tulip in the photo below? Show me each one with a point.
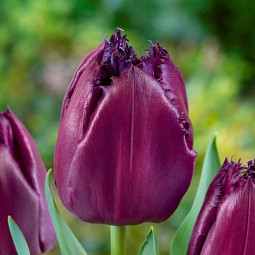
(124, 150)
(22, 196)
(225, 224)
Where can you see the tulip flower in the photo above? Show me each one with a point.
(22, 196)
(225, 224)
(124, 152)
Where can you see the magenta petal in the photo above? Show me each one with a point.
(174, 87)
(225, 223)
(74, 123)
(173, 83)
(124, 152)
(234, 228)
(15, 192)
(131, 164)
(159, 65)
(208, 211)
(79, 73)
(22, 184)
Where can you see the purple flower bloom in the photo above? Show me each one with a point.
(124, 150)
(225, 224)
(22, 196)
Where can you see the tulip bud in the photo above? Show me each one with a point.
(124, 150)
(225, 224)
(22, 196)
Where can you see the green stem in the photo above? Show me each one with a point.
(118, 240)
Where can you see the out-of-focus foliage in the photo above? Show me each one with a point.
(212, 42)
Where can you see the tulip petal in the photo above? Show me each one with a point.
(173, 81)
(75, 120)
(6, 135)
(23, 152)
(162, 68)
(174, 87)
(225, 224)
(132, 163)
(208, 211)
(79, 72)
(13, 189)
(233, 231)
(124, 149)
(30, 163)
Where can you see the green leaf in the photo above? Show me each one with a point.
(150, 245)
(18, 238)
(68, 243)
(211, 166)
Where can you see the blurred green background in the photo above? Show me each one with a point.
(212, 42)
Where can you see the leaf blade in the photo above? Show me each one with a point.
(210, 167)
(18, 238)
(68, 243)
(150, 245)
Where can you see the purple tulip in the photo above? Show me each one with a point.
(22, 196)
(225, 224)
(124, 150)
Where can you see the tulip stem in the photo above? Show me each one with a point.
(118, 240)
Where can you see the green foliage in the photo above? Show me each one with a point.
(210, 168)
(150, 245)
(68, 243)
(18, 238)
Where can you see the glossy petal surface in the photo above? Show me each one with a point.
(208, 212)
(22, 176)
(131, 164)
(225, 223)
(234, 229)
(79, 74)
(124, 149)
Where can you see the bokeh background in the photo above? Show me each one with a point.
(212, 42)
